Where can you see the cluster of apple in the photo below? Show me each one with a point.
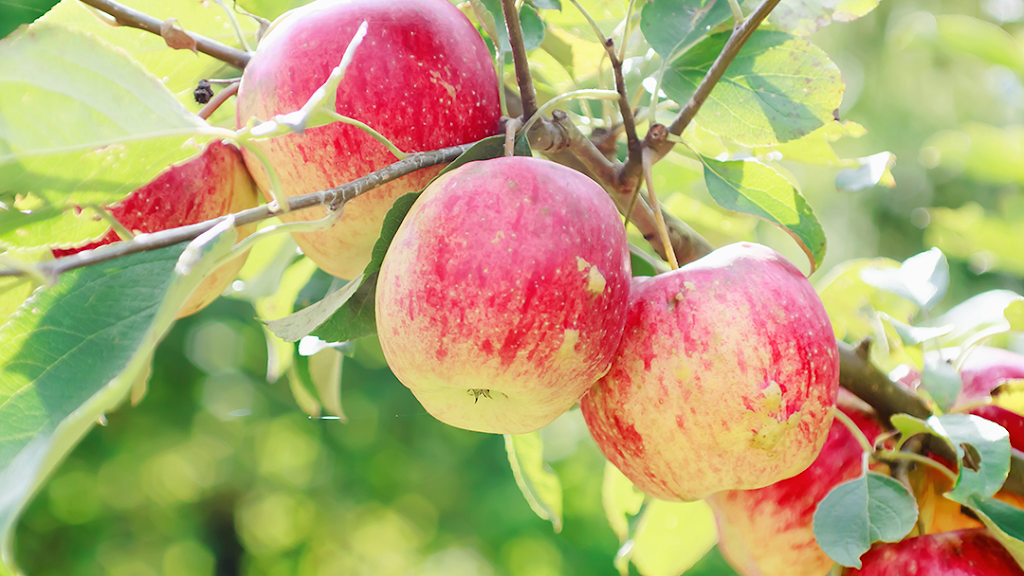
(506, 296)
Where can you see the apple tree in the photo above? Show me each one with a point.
(470, 249)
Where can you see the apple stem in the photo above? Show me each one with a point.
(218, 99)
(659, 217)
(737, 13)
(523, 78)
(119, 229)
(126, 16)
(862, 439)
(510, 136)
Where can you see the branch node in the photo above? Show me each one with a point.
(863, 349)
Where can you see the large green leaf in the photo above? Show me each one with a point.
(851, 303)
(754, 188)
(538, 482)
(529, 21)
(621, 500)
(870, 508)
(180, 70)
(72, 352)
(81, 124)
(669, 25)
(983, 451)
(779, 88)
(923, 278)
(1004, 521)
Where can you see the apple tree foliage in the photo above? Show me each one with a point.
(90, 111)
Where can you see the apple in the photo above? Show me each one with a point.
(503, 295)
(770, 531)
(209, 185)
(422, 77)
(959, 553)
(725, 377)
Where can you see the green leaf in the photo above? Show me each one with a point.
(1004, 521)
(909, 426)
(621, 499)
(871, 171)
(754, 188)
(851, 303)
(672, 537)
(294, 327)
(318, 368)
(1014, 314)
(816, 147)
(922, 278)
(979, 38)
(779, 88)
(669, 25)
(803, 17)
(983, 450)
(986, 311)
(538, 482)
(871, 508)
(913, 335)
(942, 383)
(63, 365)
(180, 70)
(83, 125)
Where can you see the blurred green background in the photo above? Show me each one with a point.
(217, 471)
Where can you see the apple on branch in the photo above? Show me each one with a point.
(725, 377)
(422, 77)
(503, 295)
(212, 184)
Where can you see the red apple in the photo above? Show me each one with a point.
(725, 377)
(502, 297)
(960, 553)
(422, 77)
(770, 531)
(212, 184)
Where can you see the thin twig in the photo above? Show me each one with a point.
(523, 78)
(628, 123)
(218, 99)
(855, 430)
(333, 197)
(510, 136)
(126, 16)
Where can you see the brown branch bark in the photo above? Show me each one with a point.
(332, 197)
(628, 122)
(126, 16)
(522, 64)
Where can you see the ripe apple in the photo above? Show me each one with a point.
(725, 377)
(503, 295)
(212, 184)
(960, 553)
(422, 77)
(770, 531)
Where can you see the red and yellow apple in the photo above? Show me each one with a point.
(770, 531)
(503, 295)
(960, 553)
(422, 77)
(212, 184)
(725, 377)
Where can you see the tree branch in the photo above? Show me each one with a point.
(333, 197)
(628, 122)
(523, 78)
(632, 171)
(860, 377)
(126, 16)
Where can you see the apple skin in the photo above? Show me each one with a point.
(209, 185)
(503, 295)
(725, 377)
(959, 553)
(770, 531)
(422, 77)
